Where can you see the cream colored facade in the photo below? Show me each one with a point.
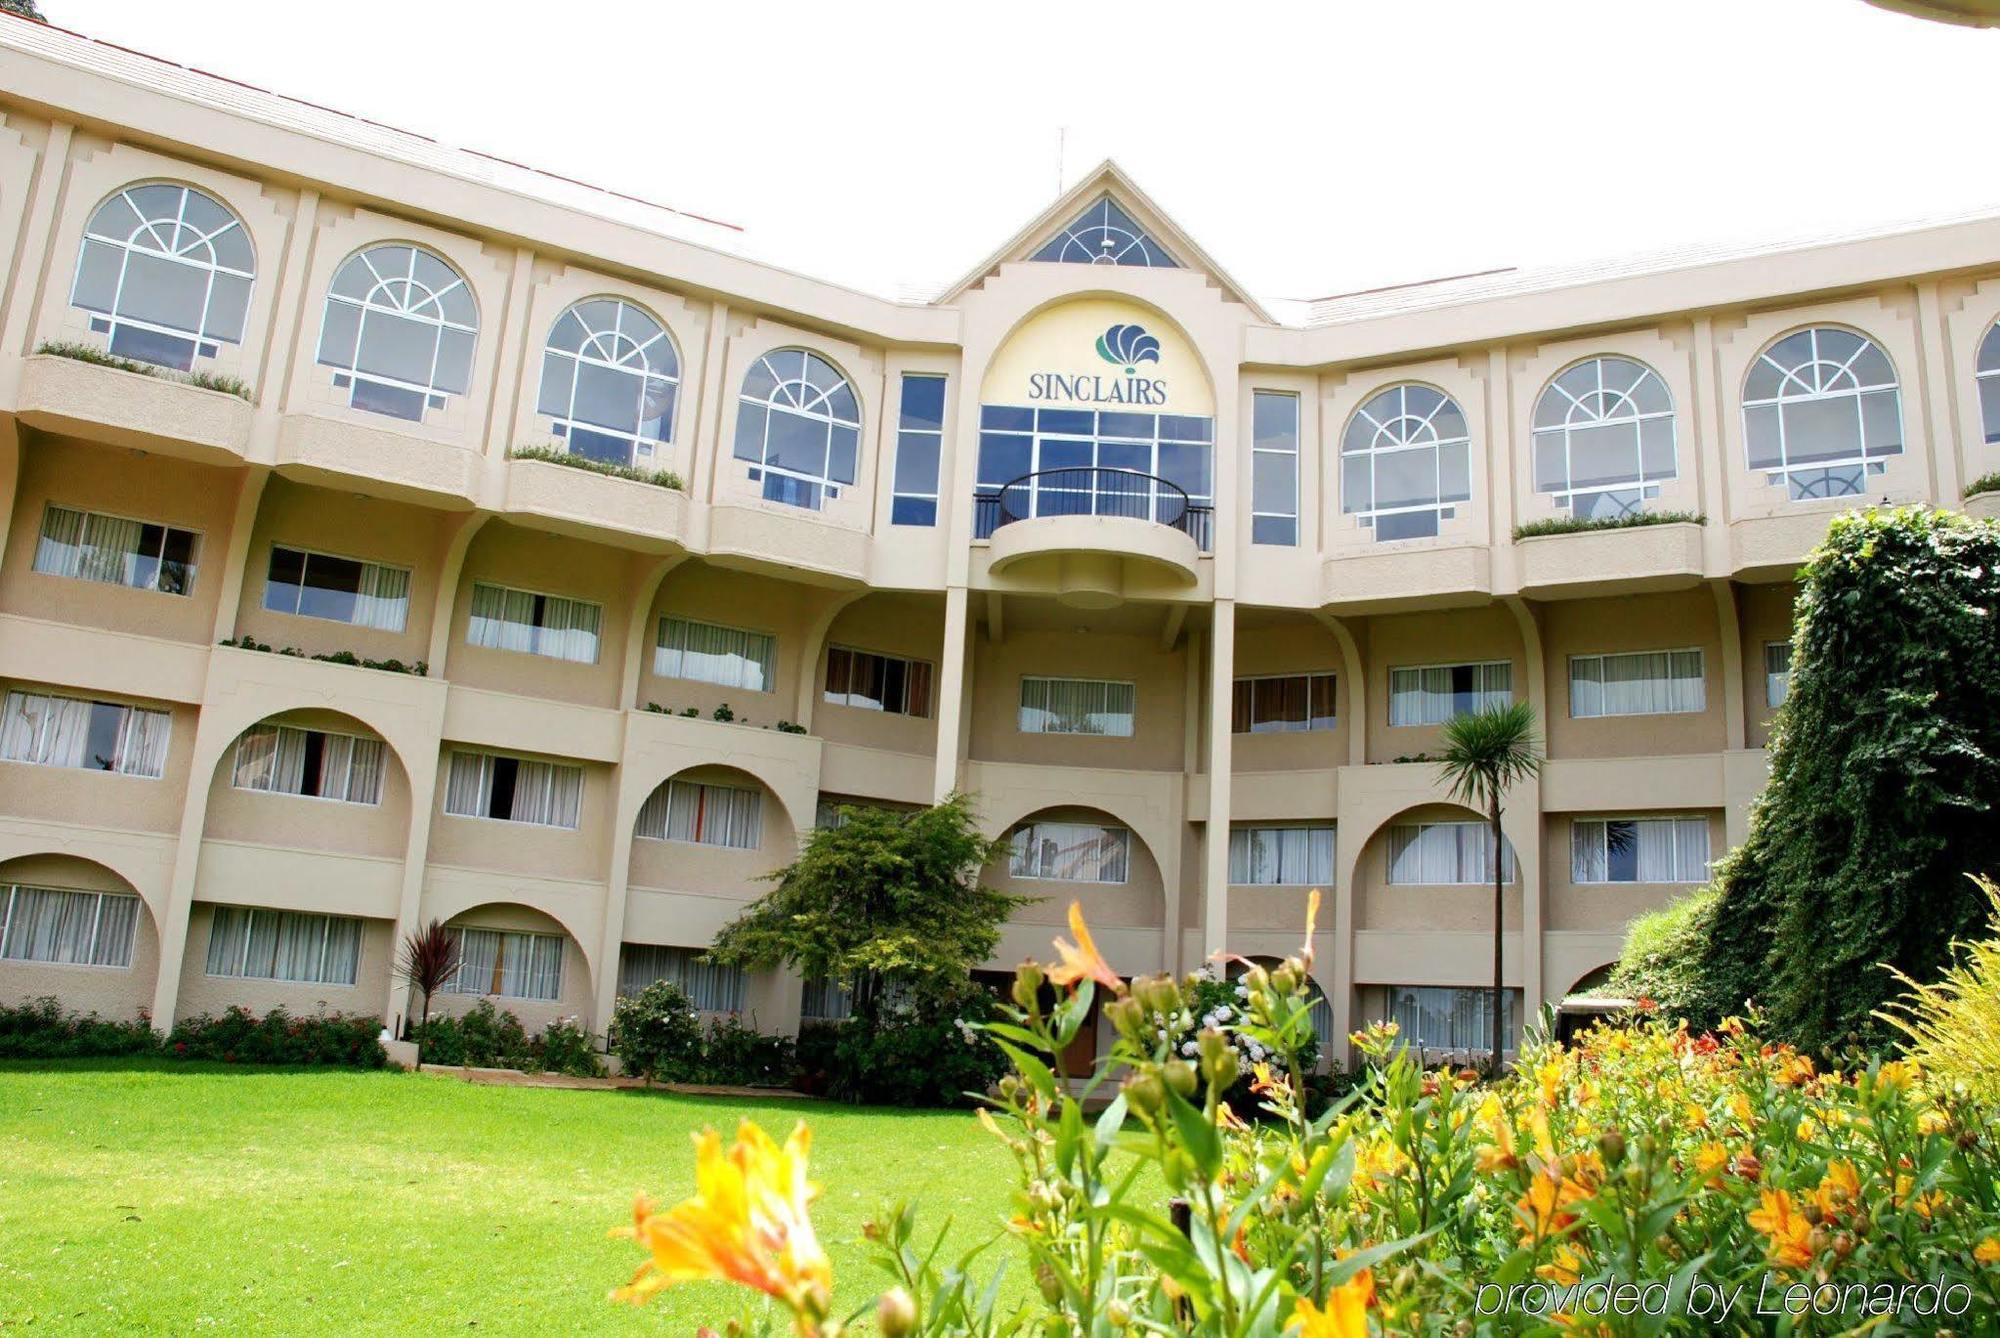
(1177, 613)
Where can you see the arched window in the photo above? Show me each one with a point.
(799, 427)
(1404, 460)
(1604, 437)
(398, 331)
(1104, 234)
(1988, 378)
(165, 271)
(1821, 412)
(609, 376)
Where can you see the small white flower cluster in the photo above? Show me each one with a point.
(966, 1031)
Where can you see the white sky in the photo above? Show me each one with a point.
(1311, 148)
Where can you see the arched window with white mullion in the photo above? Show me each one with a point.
(1405, 462)
(1987, 377)
(798, 426)
(1822, 411)
(399, 330)
(610, 377)
(165, 271)
(1604, 438)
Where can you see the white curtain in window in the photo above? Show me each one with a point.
(356, 765)
(110, 550)
(1442, 1018)
(1071, 852)
(1691, 850)
(712, 988)
(1430, 696)
(271, 758)
(383, 600)
(548, 794)
(1445, 853)
(509, 964)
(502, 619)
(468, 791)
(1641, 850)
(292, 946)
(478, 958)
(568, 630)
(706, 653)
(142, 746)
(1282, 856)
(1076, 706)
(1778, 669)
(710, 815)
(1648, 683)
(44, 924)
(825, 1001)
(49, 730)
(60, 552)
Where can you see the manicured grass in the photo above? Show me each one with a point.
(141, 1195)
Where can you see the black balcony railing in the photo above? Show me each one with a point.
(1089, 491)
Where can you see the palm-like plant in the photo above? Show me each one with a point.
(1487, 753)
(429, 960)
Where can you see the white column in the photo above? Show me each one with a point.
(1215, 840)
(951, 705)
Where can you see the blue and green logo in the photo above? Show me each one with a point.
(1127, 346)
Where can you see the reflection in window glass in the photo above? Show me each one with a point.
(1639, 850)
(1405, 460)
(1446, 854)
(1821, 413)
(609, 378)
(1281, 856)
(338, 589)
(1604, 438)
(919, 447)
(707, 653)
(88, 546)
(1663, 682)
(165, 271)
(874, 682)
(1274, 468)
(798, 426)
(1282, 703)
(1777, 673)
(1070, 852)
(61, 927)
(1077, 706)
(398, 330)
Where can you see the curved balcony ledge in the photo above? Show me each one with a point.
(120, 408)
(1093, 562)
(1772, 548)
(586, 505)
(1602, 562)
(1986, 506)
(1403, 580)
(787, 541)
(396, 466)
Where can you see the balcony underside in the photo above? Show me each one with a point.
(1095, 562)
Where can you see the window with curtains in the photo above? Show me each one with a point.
(1077, 706)
(398, 331)
(259, 944)
(706, 815)
(338, 589)
(52, 731)
(1281, 856)
(1274, 468)
(919, 446)
(825, 1000)
(507, 964)
(279, 759)
(1777, 673)
(1441, 1017)
(165, 271)
(1433, 694)
(1638, 850)
(878, 682)
(534, 624)
(1281, 703)
(87, 546)
(712, 989)
(1446, 854)
(710, 653)
(65, 928)
(512, 789)
(1070, 852)
(1660, 682)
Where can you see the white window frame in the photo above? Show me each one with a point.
(1699, 678)
(1382, 431)
(1308, 675)
(602, 349)
(194, 549)
(704, 983)
(1048, 716)
(11, 896)
(455, 986)
(1580, 833)
(813, 406)
(1597, 409)
(124, 733)
(910, 674)
(931, 439)
(1807, 383)
(184, 249)
(1243, 835)
(1986, 383)
(485, 760)
(298, 608)
(661, 650)
(435, 396)
(662, 799)
(1258, 450)
(381, 765)
(1506, 696)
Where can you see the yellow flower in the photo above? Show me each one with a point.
(1987, 1251)
(1710, 1158)
(1795, 1070)
(1378, 1160)
(1931, 1122)
(1787, 1230)
(1543, 1210)
(1500, 1154)
(1739, 1106)
(1346, 1313)
(1897, 1073)
(1565, 1270)
(747, 1223)
(1549, 1077)
(1312, 919)
(1839, 1190)
(1694, 1117)
(1081, 958)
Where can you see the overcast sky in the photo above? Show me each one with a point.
(1310, 149)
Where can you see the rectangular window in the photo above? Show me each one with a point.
(55, 731)
(512, 789)
(713, 989)
(1663, 682)
(1440, 1017)
(87, 546)
(1282, 703)
(1434, 694)
(708, 653)
(1281, 856)
(707, 815)
(1077, 706)
(919, 447)
(1070, 852)
(507, 619)
(258, 944)
(1638, 850)
(338, 589)
(50, 924)
(1274, 468)
(1778, 671)
(505, 964)
(878, 682)
(279, 759)
(1446, 854)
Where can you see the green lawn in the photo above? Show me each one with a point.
(166, 1197)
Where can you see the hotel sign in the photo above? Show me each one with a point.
(1098, 353)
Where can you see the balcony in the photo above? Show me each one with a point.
(1094, 536)
(121, 408)
(1629, 560)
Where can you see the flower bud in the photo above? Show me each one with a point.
(1144, 1092)
(1218, 1059)
(1158, 993)
(1028, 980)
(1611, 1147)
(1119, 1313)
(1180, 1076)
(1127, 1018)
(1257, 978)
(1047, 1283)
(1285, 981)
(896, 1314)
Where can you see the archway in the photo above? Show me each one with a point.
(78, 931)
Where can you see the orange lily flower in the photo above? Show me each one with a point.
(1081, 959)
(1788, 1246)
(1346, 1313)
(1988, 1250)
(1544, 1209)
(1840, 1190)
(1312, 920)
(747, 1223)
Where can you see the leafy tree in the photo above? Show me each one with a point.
(880, 894)
(1486, 754)
(1885, 769)
(25, 8)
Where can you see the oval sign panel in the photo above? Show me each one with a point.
(1097, 353)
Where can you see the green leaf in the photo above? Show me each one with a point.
(1198, 1137)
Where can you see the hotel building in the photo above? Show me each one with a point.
(1179, 584)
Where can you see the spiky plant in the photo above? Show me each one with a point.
(429, 960)
(1954, 1022)
(1486, 754)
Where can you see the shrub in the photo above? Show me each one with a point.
(738, 1055)
(239, 1036)
(1953, 1025)
(659, 478)
(347, 657)
(1662, 956)
(566, 1046)
(228, 385)
(923, 1049)
(90, 353)
(482, 1037)
(1985, 483)
(41, 1029)
(1578, 524)
(656, 1033)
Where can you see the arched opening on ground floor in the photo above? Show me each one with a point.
(77, 931)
